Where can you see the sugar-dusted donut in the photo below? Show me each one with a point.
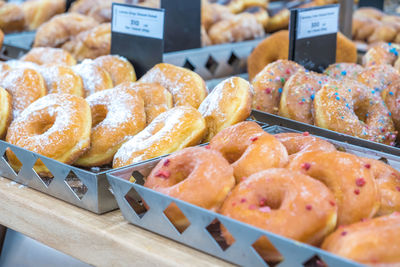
(351, 108)
(378, 77)
(260, 13)
(156, 98)
(4, 67)
(283, 202)
(279, 21)
(211, 13)
(25, 86)
(373, 242)
(187, 87)
(391, 96)
(56, 126)
(388, 181)
(117, 115)
(228, 104)
(94, 77)
(249, 149)
(118, 67)
(268, 84)
(62, 80)
(298, 93)
(346, 175)
(5, 111)
(381, 53)
(186, 175)
(340, 71)
(171, 131)
(49, 55)
(296, 143)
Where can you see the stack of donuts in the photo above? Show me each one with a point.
(348, 98)
(94, 113)
(290, 184)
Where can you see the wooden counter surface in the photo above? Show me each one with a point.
(100, 240)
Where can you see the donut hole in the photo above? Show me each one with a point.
(99, 113)
(361, 112)
(180, 173)
(44, 124)
(233, 154)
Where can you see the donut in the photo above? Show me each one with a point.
(260, 14)
(117, 114)
(363, 27)
(228, 104)
(205, 39)
(284, 202)
(268, 84)
(276, 46)
(186, 87)
(378, 77)
(118, 67)
(196, 175)
(37, 12)
(298, 94)
(388, 182)
(62, 80)
(340, 71)
(12, 18)
(4, 67)
(5, 111)
(383, 33)
(381, 53)
(212, 13)
(49, 55)
(347, 177)
(237, 6)
(249, 149)
(369, 12)
(238, 28)
(297, 144)
(156, 98)
(94, 77)
(171, 131)
(351, 108)
(56, 126)
(1, 38)
(279, 21)
(25, 86)
(61, 28)
(391, 97)
(371, 242)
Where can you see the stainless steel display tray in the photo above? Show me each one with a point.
(201, 235)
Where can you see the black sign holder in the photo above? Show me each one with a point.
(182, 24)
(372, 3)
(142, 52)
(314, 53)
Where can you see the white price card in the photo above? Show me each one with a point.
(315, 22)
(138, 21)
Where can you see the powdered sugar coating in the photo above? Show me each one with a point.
(119, 68)
(62, 79)
(49, 55)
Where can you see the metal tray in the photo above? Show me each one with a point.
(201, 233)
(271, 120)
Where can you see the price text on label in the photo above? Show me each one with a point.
(317, 22)
(138, 21)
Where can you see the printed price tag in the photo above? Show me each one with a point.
(138, 21)
(137, 33)
(317, 22)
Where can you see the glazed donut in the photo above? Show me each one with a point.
(268, 84)
(61, 28)
(56, 126)
(283, 202)
(94, 77)
(185, 175)
(5, 111)
(186, 87)
(346, 50)
(212, 13)
(391, 97)
(378, 77)
(249, 149)
(238, 28)
(226, 105)
(62, 80)
(364, 27)
(12, 17)
(279, 21)
(49, 55)
(118, 67)
(93, 43)
(349, 107)
(369, 12)
(37, 12)
(347, 177)
(340, 71)
(171, 131)
(117, 114)
(260, 14)
(298, 94)
(383, 33)
(388, 182)
(381, 53)
(25, 86)
(372, 242)
(156, 98)
(297, 144)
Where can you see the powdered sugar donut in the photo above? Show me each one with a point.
(5, 111)
(62, 80)
(118, 67)
(56, 126)
(49, 55)
(117, 114)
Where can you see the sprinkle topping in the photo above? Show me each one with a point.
(306, 134)
(357, 191)
(207, 147)
(253, 139)
(166, 162)
(332, 203)
(368, 166)
(306, 166)
(243, 200)
(263, 202)
(308, 207)
(360, 182)
(343, 233)
(163, 174)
